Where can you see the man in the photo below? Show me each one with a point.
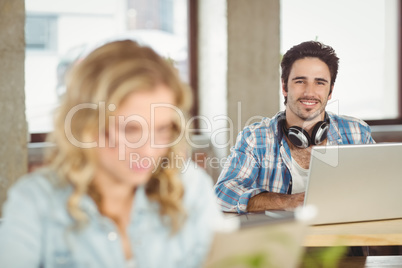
(268, 166)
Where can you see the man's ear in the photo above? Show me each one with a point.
(330, 92)
(284, 91)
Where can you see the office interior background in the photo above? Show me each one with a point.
(227, 50)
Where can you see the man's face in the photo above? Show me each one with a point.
(308, 89)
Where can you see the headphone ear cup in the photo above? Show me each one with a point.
(319, 133)
(299, 137)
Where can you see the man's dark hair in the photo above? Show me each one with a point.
(311, 49)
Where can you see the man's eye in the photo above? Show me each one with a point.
(299, 82)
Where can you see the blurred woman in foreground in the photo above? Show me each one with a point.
(115, 192)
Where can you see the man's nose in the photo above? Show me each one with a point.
(309, 89)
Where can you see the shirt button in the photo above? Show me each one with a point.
(112, 236)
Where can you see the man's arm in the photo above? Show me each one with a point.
(268, 200)
(235, 183)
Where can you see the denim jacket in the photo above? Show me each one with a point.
(36, 228)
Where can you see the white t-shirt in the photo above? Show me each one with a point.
(299, 178)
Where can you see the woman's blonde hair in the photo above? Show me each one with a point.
(107, 76)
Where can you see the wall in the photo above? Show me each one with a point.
(253, 60)
(13, 127)
(238, 68)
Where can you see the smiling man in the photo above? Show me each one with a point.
(268, 166)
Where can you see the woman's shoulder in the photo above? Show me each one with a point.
(42, 180)
(195, 177)
(38, 186)
(197, 186)
(199, 198)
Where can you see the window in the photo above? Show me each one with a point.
(163, 25)
(68, 28)
(41, 33)
(364, 33)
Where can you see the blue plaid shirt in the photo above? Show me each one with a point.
(260, 161)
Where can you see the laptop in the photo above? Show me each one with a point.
(350, 183)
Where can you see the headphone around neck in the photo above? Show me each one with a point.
(299, 137)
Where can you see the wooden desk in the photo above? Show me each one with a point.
(367, 262)
(372, 233)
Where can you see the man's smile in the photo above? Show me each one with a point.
(309, 102)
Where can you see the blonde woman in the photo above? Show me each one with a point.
(116, 192)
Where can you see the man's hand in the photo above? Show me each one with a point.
(268, 201)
